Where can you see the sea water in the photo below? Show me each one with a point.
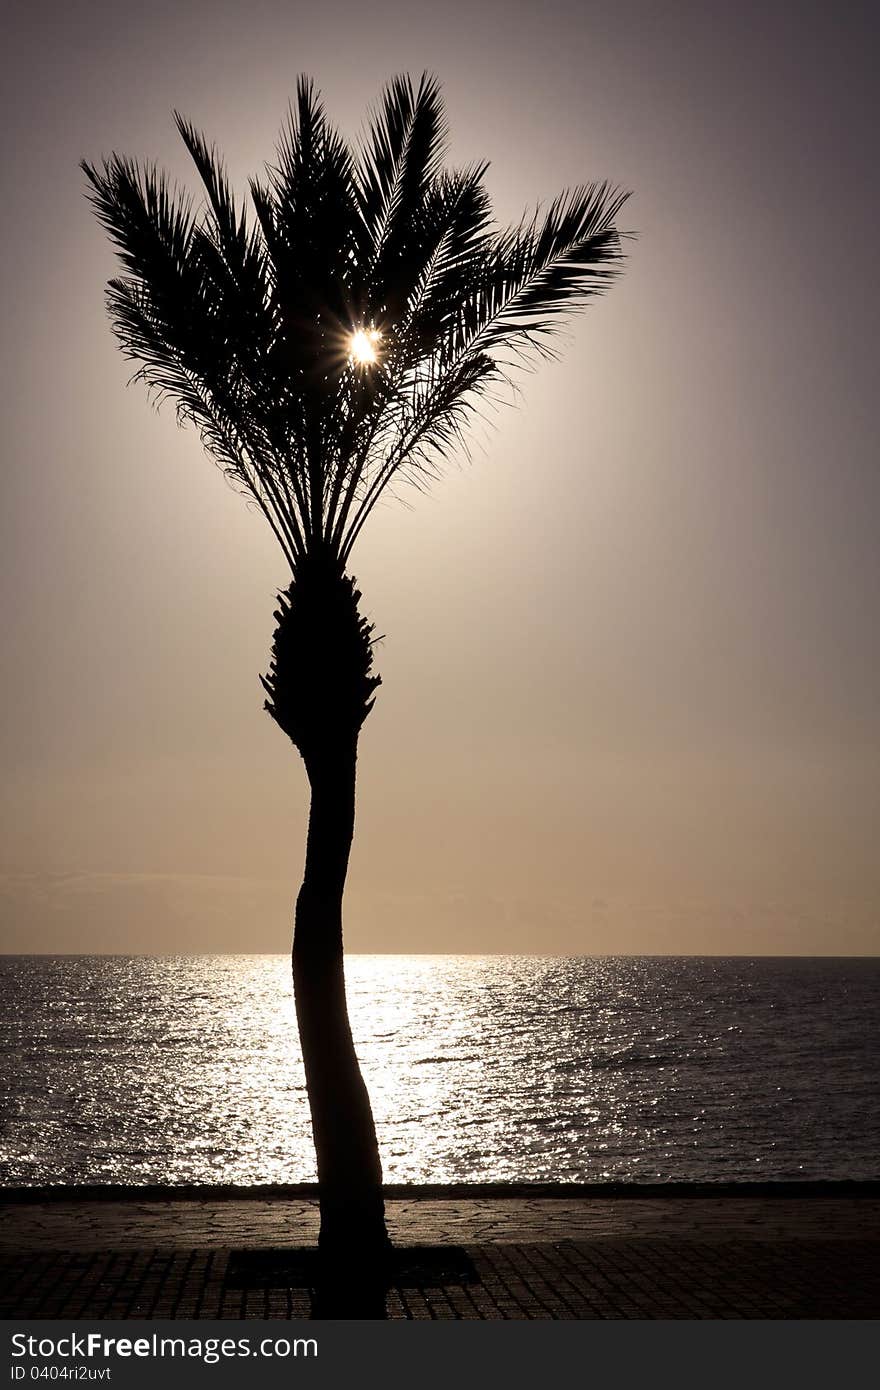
(186, 1069)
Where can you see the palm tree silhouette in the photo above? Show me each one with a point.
(329, 349)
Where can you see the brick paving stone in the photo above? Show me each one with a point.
(531, 1258)
(205, 1223)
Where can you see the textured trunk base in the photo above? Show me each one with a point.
(354, 1263)
(355, 1224)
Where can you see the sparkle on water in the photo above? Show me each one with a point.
(187, 1069)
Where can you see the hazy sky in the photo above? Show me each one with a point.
(631, 696)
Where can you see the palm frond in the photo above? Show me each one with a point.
(248, 329)
(401, 161)
(541, 270)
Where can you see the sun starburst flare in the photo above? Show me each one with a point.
(363, 346)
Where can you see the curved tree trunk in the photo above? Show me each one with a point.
(320, 688)
(349, 1170)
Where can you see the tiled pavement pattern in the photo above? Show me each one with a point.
(498, 1258)
(207, 1223)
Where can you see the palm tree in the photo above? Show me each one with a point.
(328, 348)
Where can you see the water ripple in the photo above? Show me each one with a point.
(187, 1069)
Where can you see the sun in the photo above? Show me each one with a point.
(362, 346)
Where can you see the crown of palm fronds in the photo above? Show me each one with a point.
(248, 328)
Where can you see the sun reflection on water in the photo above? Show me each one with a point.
(187, 1069)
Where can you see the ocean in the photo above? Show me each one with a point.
(186, 1069)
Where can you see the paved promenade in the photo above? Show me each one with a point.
(459, 1256)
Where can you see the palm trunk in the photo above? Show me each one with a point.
(321, 689)
(349, 1169)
